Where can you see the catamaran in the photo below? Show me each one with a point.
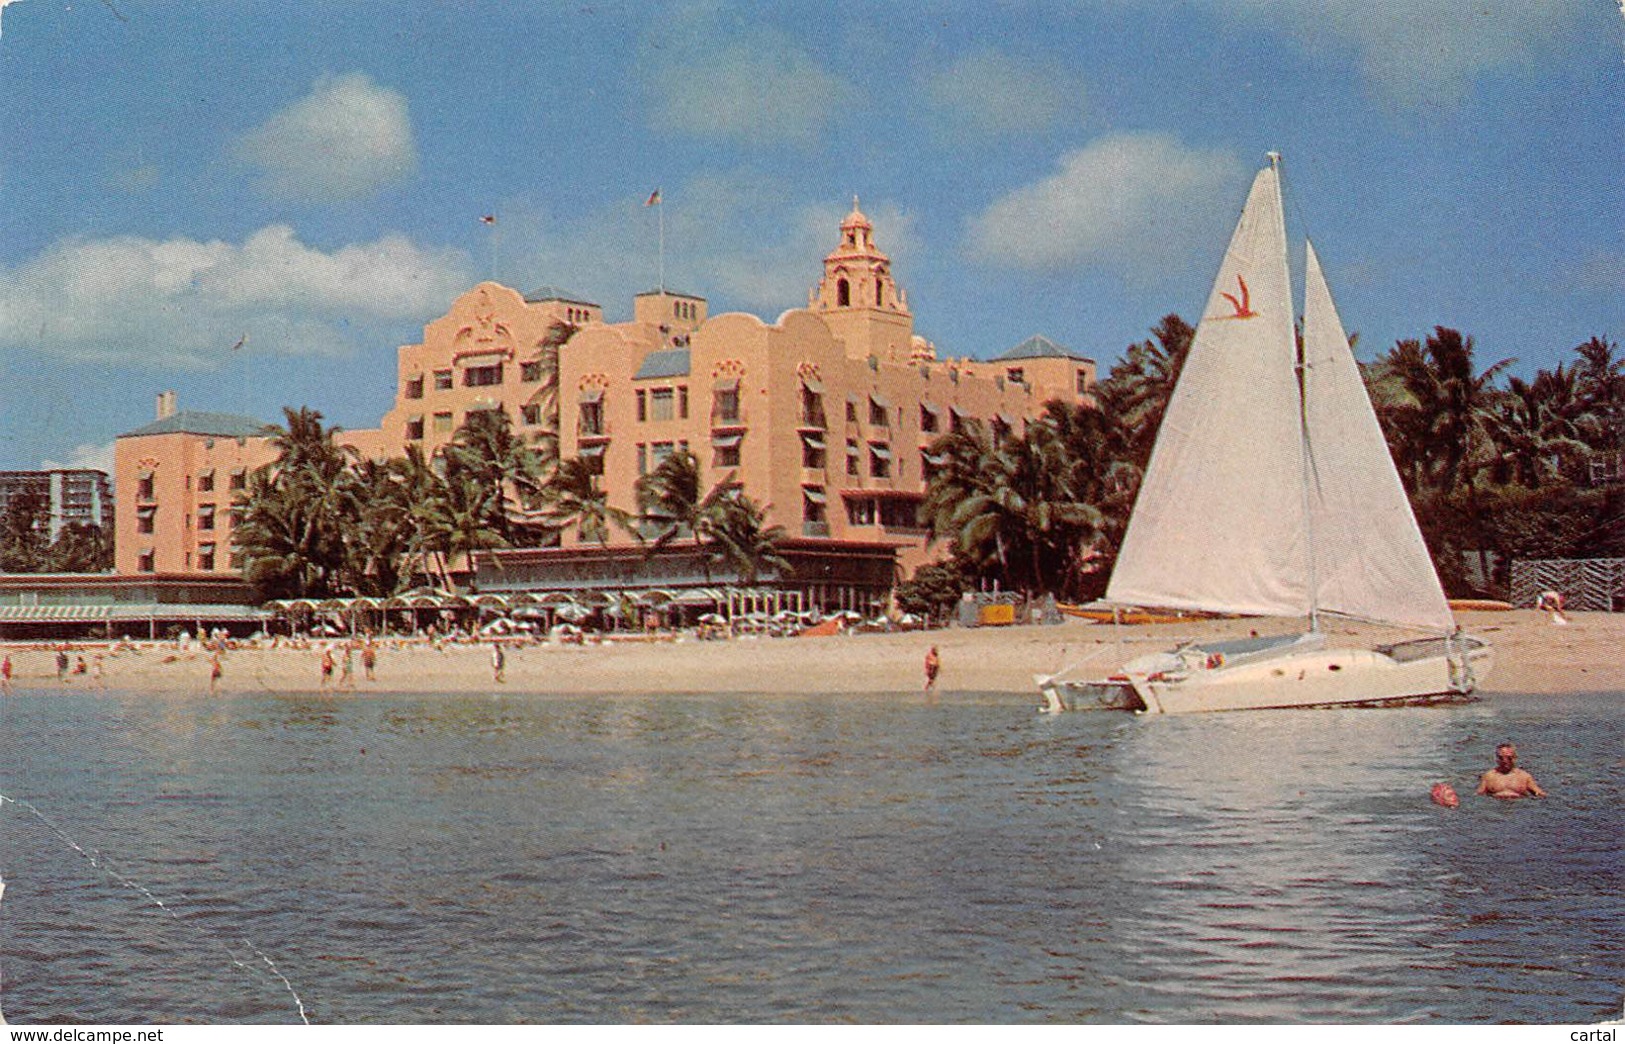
(1271, 493)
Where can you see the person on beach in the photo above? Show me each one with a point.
(215, 671)
(327, 668)
(933, 665)
(1552, 602)
(1506, 780)
(62, 664)
(498, 662)
(98, 673)
(5, 675)
(347, 667)
(369, 660)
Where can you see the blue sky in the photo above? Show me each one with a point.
(175, 177)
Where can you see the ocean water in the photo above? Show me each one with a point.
(524, 858)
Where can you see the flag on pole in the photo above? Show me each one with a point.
(654, 198)
(489, 219)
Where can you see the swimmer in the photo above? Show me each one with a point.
(1506, 780)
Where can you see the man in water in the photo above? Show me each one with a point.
(1506, 780)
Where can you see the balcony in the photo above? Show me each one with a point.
(815, 529)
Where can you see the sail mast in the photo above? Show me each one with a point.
(1302, 369)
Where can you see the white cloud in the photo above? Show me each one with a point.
(990, 92)
(348, 138)
(97, 457)
(180, 302)
(1415, 52)
(759, 88)
(1131, 203)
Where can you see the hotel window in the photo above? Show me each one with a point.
(148, 562)
(861, 512)
(205, 516)
(930, 465)
(530, 371)
(843, 293)
(879, 460)
(239, 478)
(852, 456)
(661, 451)
(928, 419)
(235, 559)
(878, 411)
(851, 410)
(593, 458)
(442, 380)
(414, 387)
(812, 404)
(643, 459)
(592, 418)
(531, 413)
(725, 404)
(726, 451)
(442, 423)
(237, 514)
(205, 558)
(660, 404)
(205, 482)
(144, 487)
(1083, 382)
(813, 505)
(414, 428)
(682, 402)
(1016, 375)
(482, 376)
(643, 405)
(144, 519)
(812, 450)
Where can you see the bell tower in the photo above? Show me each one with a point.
(857, 297)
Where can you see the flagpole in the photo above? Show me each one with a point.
(660, 205)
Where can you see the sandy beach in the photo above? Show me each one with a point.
(1532, 656)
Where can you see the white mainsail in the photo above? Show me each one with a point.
(1220, 522)
(1370, 560)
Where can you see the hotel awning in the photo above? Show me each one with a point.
(726, 384)
(591, 395)
(813, 385)
(813, 439)
(595, 450)
(146, 510)
(936, 460)
(883, 452)
(1006, 420)
(206, 473)
(880, 400)
(726, 441)
(144, 474)
(960, 412)
(814, 494)
(931, 408)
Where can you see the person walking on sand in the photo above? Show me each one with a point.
(369, 660)
(62, 663)
(347, 667)
(215, 671)
(5, 675)
(327, 668)
(498, 662)
(1506, 780)
(933, 665)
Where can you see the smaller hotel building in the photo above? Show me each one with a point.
(824, 416)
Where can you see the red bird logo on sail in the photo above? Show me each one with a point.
(1244, 306)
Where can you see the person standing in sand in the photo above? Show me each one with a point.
(498, 662)
(327, 668)
(5, 675)
(98, 677)
(369, 660)
(1506, 780)
(215, 671)
(933, 665)
(347, 668)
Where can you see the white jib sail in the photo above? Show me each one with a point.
(1219, 523)
(1370, 560)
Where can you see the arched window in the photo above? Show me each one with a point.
(843, 292)
(880, 289)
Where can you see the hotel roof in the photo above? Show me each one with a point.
(668, 362)
(197, 422)
(1040, 347)
(553, 293)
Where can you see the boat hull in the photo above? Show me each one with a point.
(1197, 680)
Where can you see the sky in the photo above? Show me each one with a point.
(254, 204)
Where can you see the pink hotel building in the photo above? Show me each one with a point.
(825, 416)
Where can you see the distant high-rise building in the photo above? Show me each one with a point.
(82, 496)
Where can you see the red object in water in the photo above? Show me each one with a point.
(1444, 794)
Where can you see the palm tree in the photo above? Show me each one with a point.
(574, 498)
(294, 534)
(735, 536)
(1537, 427)
(457, 521)
(1435, 407)
(669, 499)
(487, 452)
(1138, 388)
